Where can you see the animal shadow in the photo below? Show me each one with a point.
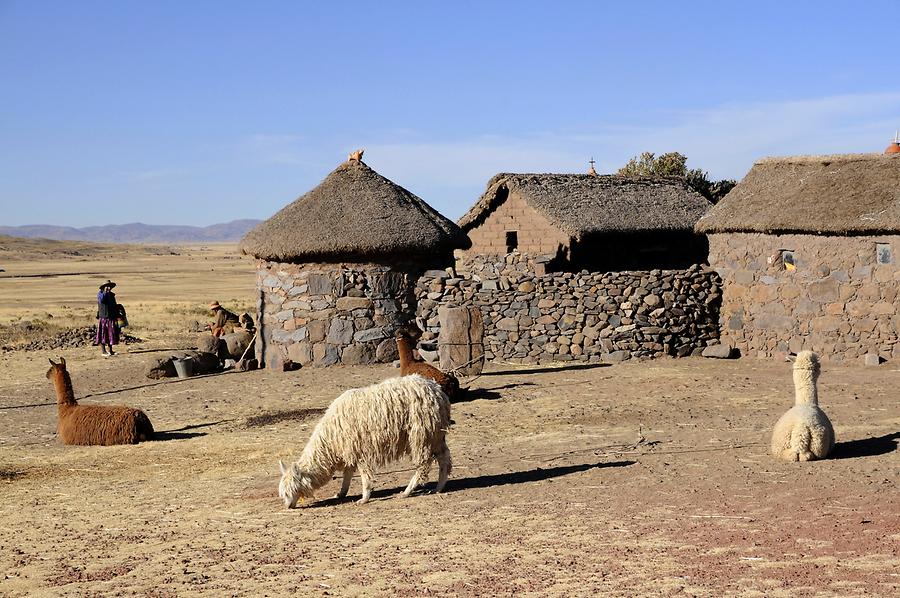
(488, 394)
(164, 436)
(866, 447)
(523, 477)
(182, 433)
(546, 370)
(488, 481)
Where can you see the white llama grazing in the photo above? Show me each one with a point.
(804, 433)
(365, 428)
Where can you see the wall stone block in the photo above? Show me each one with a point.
(340, 332)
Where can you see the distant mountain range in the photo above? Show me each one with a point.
(227, 232)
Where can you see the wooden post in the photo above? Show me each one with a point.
(461, 341)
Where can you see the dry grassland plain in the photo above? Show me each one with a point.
(644, 478)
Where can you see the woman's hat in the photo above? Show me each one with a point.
(214, 305)
(108, 283)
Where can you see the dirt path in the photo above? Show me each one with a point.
(637, 479)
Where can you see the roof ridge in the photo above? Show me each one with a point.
(813, 158)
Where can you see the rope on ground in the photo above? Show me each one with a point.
(118, 390)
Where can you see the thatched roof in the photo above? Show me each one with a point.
(354, 213)
(841, 194)
(583, 204)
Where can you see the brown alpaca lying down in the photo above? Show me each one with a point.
(406, 339)
(94, 424)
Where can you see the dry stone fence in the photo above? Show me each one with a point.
(586, 316)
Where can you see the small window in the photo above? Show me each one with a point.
(883, 253)
(512, 240)
(787, 260)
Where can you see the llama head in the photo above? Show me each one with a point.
(807, 361)
(409, 331)
(56, 368)
(806, 374)
(295, 484)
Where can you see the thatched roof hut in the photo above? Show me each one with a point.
(586, 221)
(839, 194)
(582, 204)
(338, 268)
(355, 213)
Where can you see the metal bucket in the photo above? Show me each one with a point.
(184, 367)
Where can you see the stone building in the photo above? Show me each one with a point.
(337, 268)
(807, 251)
(585, 221)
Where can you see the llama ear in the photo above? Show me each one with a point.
(51, 361)
(282, 467)
(62, 361)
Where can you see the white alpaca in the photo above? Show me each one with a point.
(365, 428)
(804, 433)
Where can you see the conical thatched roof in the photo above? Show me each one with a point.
(582, 204)
(354, 213)
(842, 194)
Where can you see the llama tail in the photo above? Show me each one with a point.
(144, 427)
(801, 440)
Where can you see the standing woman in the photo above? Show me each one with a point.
(107, 310)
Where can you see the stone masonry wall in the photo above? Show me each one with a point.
(839, 300)
(322, 315)
(589, 317)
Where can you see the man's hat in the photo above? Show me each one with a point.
(214, 305)
(108, 283)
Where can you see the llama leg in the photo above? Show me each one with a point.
(366, 486)
(444, 465)
(417, 478)
(345, 484)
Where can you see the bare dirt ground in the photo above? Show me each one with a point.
(647, 478)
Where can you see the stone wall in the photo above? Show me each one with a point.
(837, 299)
(326, 314)
(592, 317)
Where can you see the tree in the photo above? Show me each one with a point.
(674, 164)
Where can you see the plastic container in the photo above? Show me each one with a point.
(184, 367)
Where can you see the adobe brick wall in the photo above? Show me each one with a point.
(838, 301)
(536, 235)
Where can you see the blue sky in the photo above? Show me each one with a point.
(203, 112)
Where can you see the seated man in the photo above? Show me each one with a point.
(225, 320)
